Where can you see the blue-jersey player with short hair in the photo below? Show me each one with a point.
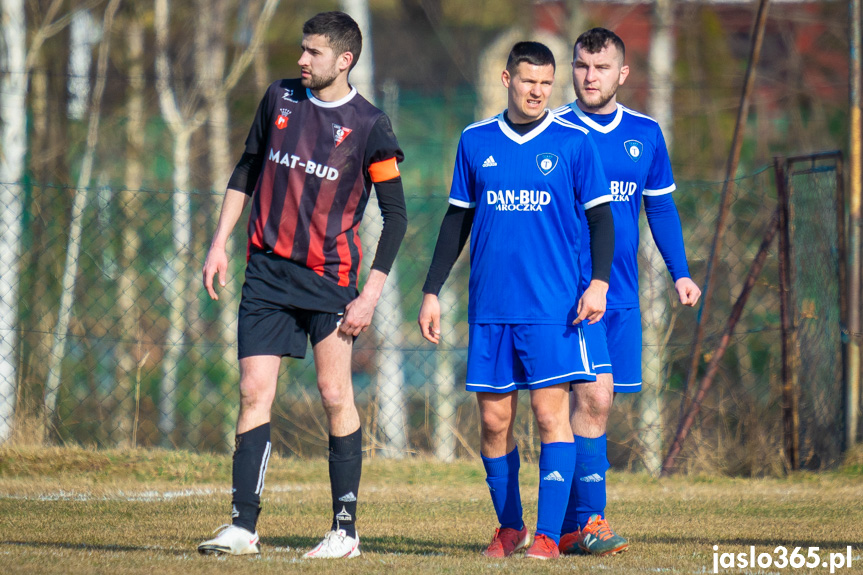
(636, 163)
(519, 182)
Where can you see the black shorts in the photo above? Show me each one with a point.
(284, 305)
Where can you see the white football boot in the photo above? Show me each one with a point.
(231, 540)
(336, 545)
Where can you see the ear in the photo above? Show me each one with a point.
(505, 78)
(344, 61)
(624, 73)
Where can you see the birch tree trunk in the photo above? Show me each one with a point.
(177, 281)
(388, 316)
(444, 378)
(130, 206)
(13, 141)
(79, 203)
(219, 152)
(654, 289)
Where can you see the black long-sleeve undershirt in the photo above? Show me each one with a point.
(600, 224)
(391, 200)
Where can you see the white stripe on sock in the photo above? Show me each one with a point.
(263, 470)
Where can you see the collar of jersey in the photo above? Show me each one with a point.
(595, 126)
(519, 139)
(335, 104)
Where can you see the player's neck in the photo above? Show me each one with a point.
(609, 108)
(335, 91)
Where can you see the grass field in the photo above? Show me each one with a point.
(78, 511)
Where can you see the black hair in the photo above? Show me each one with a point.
(340, 30)
(595, 39)
(533, 53)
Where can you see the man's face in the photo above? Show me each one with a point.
(528, 90)
(596, 78)
(319, 65)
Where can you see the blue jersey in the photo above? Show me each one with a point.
(526, 235)
(636, 162)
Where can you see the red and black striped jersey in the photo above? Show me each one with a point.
(319, 161)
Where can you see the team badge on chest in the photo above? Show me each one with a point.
(340, 133)
(282, 120)
(546, 163)
(634, 149)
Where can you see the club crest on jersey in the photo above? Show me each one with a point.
(634, 149)
(546, 163)
(340, 133)
(282, 120)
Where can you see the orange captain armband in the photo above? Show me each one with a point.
(384, 170)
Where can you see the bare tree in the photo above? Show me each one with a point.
(13, 142)
(128, 291)
(183, 120)
(79, 203)
(654, 289)
(389, 358)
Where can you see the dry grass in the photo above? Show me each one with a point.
(77, 511)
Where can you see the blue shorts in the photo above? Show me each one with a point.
(507, 357)
(614, 344)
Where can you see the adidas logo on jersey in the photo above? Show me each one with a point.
(349, 498)
(489, 162)
(592, 478)
(553, 476)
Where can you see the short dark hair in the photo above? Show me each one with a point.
(533, 53)
(595, 39)
(340, 30)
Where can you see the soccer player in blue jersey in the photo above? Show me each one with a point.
(636, 163)
(519, 178)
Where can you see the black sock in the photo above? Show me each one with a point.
(346, 464)
(251, 455)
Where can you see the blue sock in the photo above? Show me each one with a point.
(588, 494)
(556, 467)
(502, 479)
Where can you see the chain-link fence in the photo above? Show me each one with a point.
(121, 347)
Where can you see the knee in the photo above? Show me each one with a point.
(495, 422)
(598, 404)
(593, 402)
(256, 392)
(550, 420)
(334, 397)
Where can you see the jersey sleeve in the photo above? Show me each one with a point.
(461, 193)
(383, 153)
(660, 180)
(591, 185)
(256, 142)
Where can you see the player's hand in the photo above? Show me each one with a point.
(429, 318)
(216, 263)
(358, 315)
(688, 291)
(591, 306)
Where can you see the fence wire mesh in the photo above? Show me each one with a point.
(814, 233)
(144, 358)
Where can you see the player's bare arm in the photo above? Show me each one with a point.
(217, 259)
(688, 291)
(429, 318)
(359, 312)
(591, 306)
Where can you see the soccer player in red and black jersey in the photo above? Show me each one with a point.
(314, 151)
